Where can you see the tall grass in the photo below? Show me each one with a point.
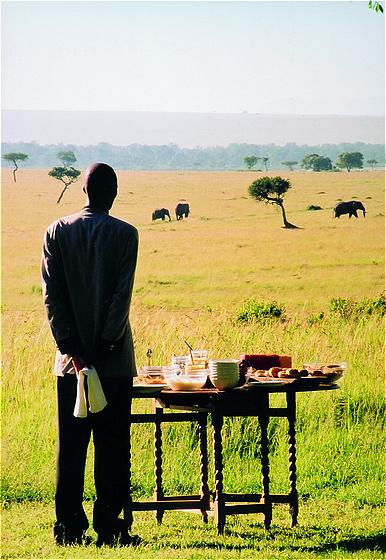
(339, 433)
(193, 277)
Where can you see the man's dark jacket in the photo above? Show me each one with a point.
(88, 267)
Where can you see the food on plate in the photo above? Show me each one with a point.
(289, 373)
(274, 371)
(150, 379)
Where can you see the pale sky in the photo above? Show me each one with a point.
(307, 57)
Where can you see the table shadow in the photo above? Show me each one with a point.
(375, 542)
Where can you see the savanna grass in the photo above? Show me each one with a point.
(193, 276)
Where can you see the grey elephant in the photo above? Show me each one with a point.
(182, 210)
(160, 213)
(349, 208)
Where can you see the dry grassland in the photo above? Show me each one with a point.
(229, 249)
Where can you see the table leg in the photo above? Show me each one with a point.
(263, 420)
(293, 494)
(219, 514)
(158, 492)
(204, 490)
(128, 509)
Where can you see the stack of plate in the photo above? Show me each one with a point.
(224, 374)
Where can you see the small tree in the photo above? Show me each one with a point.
(265, 161)
(251, 161)
(67, 175)
(15, 157)
(271, 190)
(289, 164)
(67, 158)
(372, 162)
(350, 160)
(316, 162)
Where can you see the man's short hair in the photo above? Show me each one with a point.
(101, 184)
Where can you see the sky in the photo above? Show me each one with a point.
(308, 57)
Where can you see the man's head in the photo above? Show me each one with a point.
(100, 185)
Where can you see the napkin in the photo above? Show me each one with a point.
(96, 397)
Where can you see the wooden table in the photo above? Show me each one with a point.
(194, 406)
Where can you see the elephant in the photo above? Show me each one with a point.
(349, 208)
(160, 213)
(182, 210)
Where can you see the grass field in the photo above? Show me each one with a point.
(193, 276)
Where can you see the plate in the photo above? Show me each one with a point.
(267, 382)
(148, 388)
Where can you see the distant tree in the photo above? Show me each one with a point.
(15, 157)
(376, 6)
(265, 161)
(271, 190)
(372, 162)
(67, 175)
(290, 164)
(316, 162)
(251, 161)
(350, 160)
(67, 158)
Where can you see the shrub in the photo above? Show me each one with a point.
(347, 308)
(314, 207)
(253, 310)
(315, 319)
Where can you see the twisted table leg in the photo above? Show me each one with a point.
(263, 420)
(219, 514)
(128, 509)
(204, 490)
(293, 494)
(158, 493)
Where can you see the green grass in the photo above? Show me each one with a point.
(193, 278)
(326, 530)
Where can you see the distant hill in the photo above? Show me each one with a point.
(188, 130)
(172, 157)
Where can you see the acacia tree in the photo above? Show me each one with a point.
(15, 157)
(290, 164)
(350, 160)
(67, 158)
(316, 162)
(67, 175)
(251, 161)
(372, 162)
(265, 161)
(271, 190)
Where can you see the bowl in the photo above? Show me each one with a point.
(152, 375)
(333, 370)
(223, 383)
(186, 381)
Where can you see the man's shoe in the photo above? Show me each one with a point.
(120, 537)
(120, 540)
(65, 537)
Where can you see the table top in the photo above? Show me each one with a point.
(249, 390)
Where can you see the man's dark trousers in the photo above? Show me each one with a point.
(111, 436)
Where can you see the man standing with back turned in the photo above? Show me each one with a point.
(88, 267)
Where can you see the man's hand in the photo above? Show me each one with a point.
(78, 363)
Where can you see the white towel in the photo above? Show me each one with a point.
(96, 397)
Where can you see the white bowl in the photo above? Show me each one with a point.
(218, 375)
(185, 382)
(223, 384)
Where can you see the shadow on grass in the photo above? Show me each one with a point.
(294, 540)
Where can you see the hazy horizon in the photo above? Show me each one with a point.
(187, 129)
